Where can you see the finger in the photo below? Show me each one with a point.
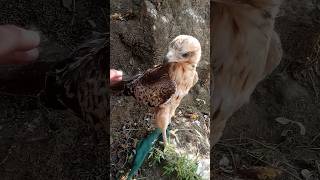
(117, 78)
(20, 57)
(114, 74)
(13, 38)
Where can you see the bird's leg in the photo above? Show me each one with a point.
(274, 54)
(218, 125)
(217, 131)
(162, 121)
(164, 136)
(174, 106)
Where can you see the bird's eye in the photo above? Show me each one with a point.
(185, 55)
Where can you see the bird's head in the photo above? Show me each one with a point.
(184, 48)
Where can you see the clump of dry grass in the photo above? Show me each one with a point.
(246, 157)
(309, 69)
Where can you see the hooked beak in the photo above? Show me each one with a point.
(165, 59)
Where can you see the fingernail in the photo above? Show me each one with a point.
(32, 37)
(119, 73)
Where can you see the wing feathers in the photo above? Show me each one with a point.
(152, 88)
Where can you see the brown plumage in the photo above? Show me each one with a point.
(246, 49)
(153, 88)
(165, 85)
(80, 81)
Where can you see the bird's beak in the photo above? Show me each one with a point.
(165, 59)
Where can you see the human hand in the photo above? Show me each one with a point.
(17, 45)
(115, 76)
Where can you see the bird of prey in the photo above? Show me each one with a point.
(164, 85)
(245, 49)
(80, 82)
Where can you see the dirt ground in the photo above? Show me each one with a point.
(253, 138)
(37, 142)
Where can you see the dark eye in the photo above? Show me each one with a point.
(185, 55)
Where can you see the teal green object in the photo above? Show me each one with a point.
(142, 150)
